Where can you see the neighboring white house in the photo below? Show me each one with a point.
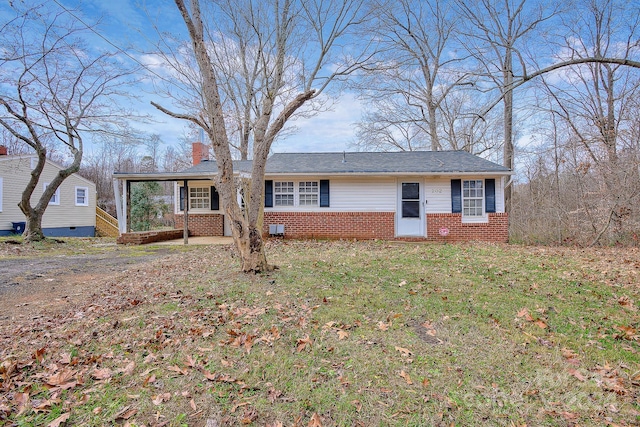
(71, 211)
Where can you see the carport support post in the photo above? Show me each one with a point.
(128, 196)
(185, 224)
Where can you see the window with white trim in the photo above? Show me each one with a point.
(55, 199)
(308, 192)
(199, 198)
(472, 198)
(82, 196)
(283, 193)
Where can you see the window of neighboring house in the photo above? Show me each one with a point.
(308, 193)
(34, 162)
(472, 197)
(283, 192)
(55, 199)
(199, 198)
(82, 196)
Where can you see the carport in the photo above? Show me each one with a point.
(122, 190)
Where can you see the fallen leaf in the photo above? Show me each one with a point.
(160, 398)
(303, 343)
(192, 403)
(540, 323)
(63, 379)
(383, 326)
(315, 421)
(577, 374)
(342, 334)
(61, 419)
(406, 377)
(404, 351)
(175, 368)
(126, 413)
(128, 370)
(102, 374)
(425, 382)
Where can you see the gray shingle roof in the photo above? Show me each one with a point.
(431, 162)
(383, 163)
(210, 166)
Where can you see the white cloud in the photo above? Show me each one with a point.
(328, 131)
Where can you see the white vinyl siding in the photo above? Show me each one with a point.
(438, 195)
(16, 172)
(0, 194)
(363, 195)
(82, 196)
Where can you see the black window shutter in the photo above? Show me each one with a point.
(268, 193)
(182, 198)
(215, 199)
(490, 195)
(456, 196)
(324, 193)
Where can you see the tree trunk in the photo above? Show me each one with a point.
(251, 248)
(508, 121)
(33, 229)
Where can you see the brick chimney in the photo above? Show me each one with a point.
(199, 152)
(3, 150)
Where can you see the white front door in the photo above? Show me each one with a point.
(410, 220)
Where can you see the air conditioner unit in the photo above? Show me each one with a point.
(276, 230)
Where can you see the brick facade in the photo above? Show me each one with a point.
(202, 224)
(142, 237)
(496, 230)
(359, 225)
(333, 225)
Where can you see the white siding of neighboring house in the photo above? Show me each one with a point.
(15, 173)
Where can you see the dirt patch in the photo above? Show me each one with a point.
(30, 282)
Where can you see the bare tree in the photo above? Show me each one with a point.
(415, 72)
(54, 90)
(295, 47)
(496, 33)
(596, 104)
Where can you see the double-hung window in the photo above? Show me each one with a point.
(308, 193)
(82, 196)
(472, 198)
(199, 198)
(283, 193)
(55, 199)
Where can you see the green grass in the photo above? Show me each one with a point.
(366, 333)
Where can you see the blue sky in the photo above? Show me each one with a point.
(128, 22)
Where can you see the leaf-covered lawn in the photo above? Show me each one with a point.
(343, 334)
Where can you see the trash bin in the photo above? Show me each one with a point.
(18, 227)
